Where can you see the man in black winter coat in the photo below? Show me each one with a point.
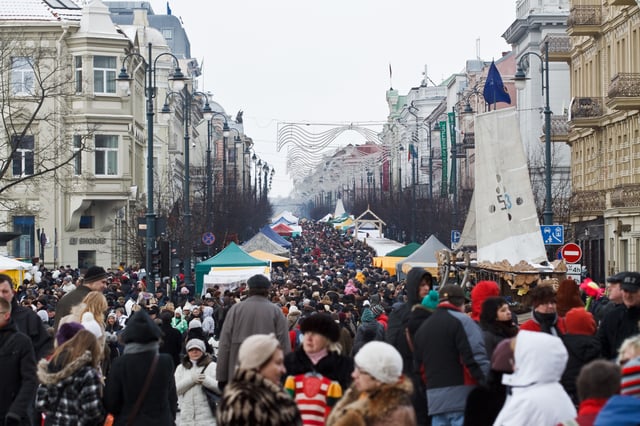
(17, 369)
(26, 321)
(622, 321)
(418, 284)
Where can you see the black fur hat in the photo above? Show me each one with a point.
(321, 324)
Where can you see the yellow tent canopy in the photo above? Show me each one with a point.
(388, 263)
(263, 255)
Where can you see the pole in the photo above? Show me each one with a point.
(548, 211)
(209, 225)
(454, 169)
(224, 167)
(150, 215)
(430, 166)
(187, 181)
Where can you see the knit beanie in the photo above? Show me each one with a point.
(579, 321)
(140, 328)
(95, 273)
(195, 323)
(196, 343)
(431, 300)
(380, 360)
(67, 331)
(631, 378)
(321, 324)
(258, 281)
(256, 350)
(377, 310)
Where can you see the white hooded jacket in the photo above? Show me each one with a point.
(537, 397)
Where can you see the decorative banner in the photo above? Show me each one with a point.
(454, 169)
(443, 156)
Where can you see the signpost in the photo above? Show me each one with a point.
(571, 253)
(455, 238)
(208, 238)
(552, 234)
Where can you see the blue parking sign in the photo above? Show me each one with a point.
(552, 235)
(455, 237)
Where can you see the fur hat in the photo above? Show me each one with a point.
(630, 384)
(256, 350)
(381, 360)
(321, 324)
(431, 300)
(67, 331)
(140, 329)
(89, 323)
(95, 273)
(196, 343)
(258, 281)
(579, 321)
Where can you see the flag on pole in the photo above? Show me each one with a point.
(390, 77)
(168, 9)
(494, 90)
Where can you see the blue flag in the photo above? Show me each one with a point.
(494, 90)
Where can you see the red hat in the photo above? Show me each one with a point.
(580, 321)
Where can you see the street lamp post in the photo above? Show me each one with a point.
(520, 81)
(186, 120)
(413, 149)
(178, 81)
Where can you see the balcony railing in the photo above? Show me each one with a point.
(622, 2)
(559, 128)
(587, 202)
(625, 196)
(586, 112)
(559, 47)
(584, 20)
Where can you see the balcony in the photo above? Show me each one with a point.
(559, 47)
(468, 141)
(624, 91)
(587, 203)
(584, 20)
(559, 128)
(625, 196)
(586, 112)
(622, 2)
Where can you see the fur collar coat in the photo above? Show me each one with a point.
(251, 399)
(389, 405)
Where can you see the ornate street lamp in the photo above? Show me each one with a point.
(124, 82)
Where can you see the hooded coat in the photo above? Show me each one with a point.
(481, 292)
(194, 409)
(537, 398)
(620, 410)
(70, 394)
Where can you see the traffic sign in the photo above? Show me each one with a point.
(574, 270)
(455, 237)
(208, 238)
(571, 253)
(552, 234)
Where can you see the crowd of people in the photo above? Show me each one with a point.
(327, 339)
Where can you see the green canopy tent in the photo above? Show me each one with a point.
(231, 265)
(404, 251)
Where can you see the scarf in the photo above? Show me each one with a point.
(315, 357)
(136, 348)
(547, 322)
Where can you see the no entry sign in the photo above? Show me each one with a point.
(571, 253)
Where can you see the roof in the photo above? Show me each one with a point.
(40, 10)
(404, 251)
(264, 243)
(232, 255)
(266, 230)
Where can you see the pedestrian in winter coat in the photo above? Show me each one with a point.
(196, 371)
(380, 394)
(537, 398)
(544, 316)
(418, 284)
(172, 339)
(318, 353)
(70, 391)
(582, 345)
(17, 369)
(129, 372)
(255, 315)
(496, 322)
(254, 396)
(481, 292)
(94, 280)
(623, 409)
(368, 331)
(178, 322)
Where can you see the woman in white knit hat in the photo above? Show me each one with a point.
(254, 396)
(380, 394)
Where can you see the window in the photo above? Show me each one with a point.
(22, 76)
(106, 155)
(86, 222)
(77, 150)
(24, 245)
(22, 158)
(167, 33)
(78, 73)
(104, 74)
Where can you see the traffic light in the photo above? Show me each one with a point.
(165, 258)
(156, 262)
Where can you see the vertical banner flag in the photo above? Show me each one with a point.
(443, 156)
(494, 90)
(452, 131)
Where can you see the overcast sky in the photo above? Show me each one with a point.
(328, 61)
